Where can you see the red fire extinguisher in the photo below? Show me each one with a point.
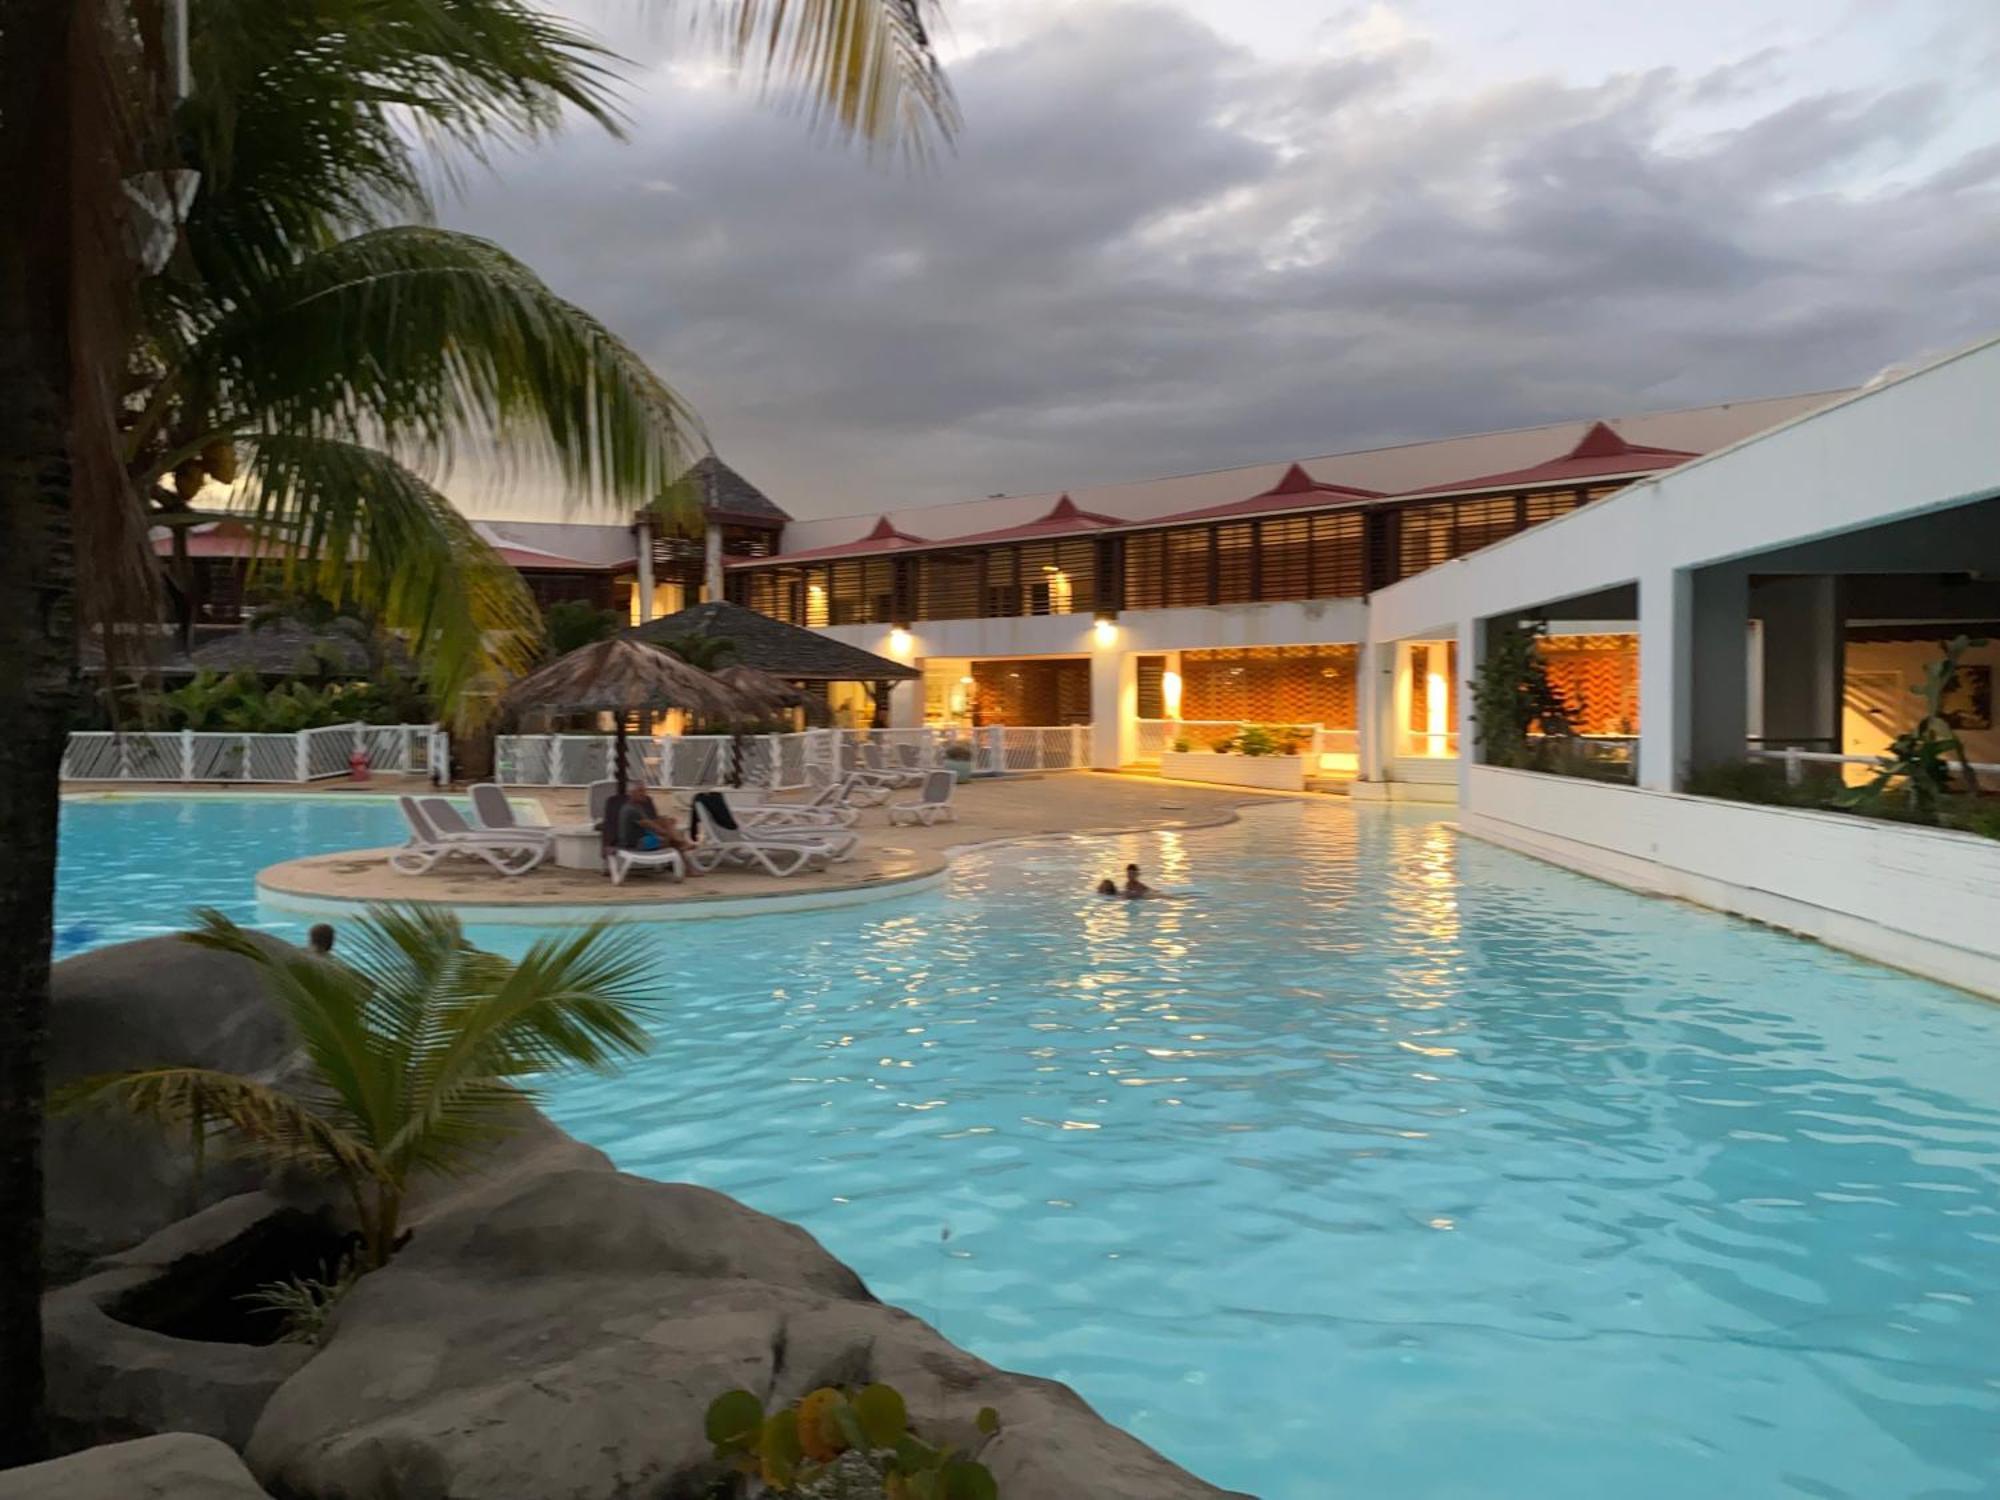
(357, 764)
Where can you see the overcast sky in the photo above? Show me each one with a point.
(1187, 234)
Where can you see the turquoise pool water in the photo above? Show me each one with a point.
(1390, 1164)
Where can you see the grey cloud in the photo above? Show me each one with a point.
(1154, 252)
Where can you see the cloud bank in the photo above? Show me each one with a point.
(1155, 251)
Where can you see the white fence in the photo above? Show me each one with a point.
(203, 755)
(781, 762)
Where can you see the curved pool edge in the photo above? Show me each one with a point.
(682, 905)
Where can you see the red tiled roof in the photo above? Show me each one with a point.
(884, 538)
(218, 539)
(1064, 519)
(1297, 490)
(1600, 454)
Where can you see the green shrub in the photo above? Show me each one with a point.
(832, 1444)
(1256, 740)
(1182, 744)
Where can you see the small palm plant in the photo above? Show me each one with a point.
(422, 1047)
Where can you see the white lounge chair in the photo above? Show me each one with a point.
(933, 804)
(496, 815)
(508, 853)
(876, 766)
(723, 841)
(841, 841)
(829, 807)
(599, 795)
(622, 862)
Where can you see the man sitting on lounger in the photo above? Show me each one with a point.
(643, 826)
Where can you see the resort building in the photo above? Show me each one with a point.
(1183, 609)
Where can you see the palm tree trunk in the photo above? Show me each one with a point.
(37, 656)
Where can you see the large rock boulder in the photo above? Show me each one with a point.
(160, 1001)
(157, 1339)
(172, 1466)
(556, 1332)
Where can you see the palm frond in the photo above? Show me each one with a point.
(862, 69)
(357, 527)
(279, 1126)
(424, 338)
(327, 1004)
(309, 119)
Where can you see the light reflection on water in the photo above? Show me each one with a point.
(1389, 1163)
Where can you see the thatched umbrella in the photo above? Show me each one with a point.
(625, 676)
(758, 686)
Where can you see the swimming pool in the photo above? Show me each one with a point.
(1392, 1163)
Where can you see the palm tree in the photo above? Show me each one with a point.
(421, 1048)
(302, 138)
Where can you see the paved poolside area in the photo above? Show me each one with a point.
(889, 855)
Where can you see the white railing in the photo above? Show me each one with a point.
(1795, 762)
(782, 762)
(207, 755)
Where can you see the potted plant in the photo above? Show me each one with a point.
(957, 756)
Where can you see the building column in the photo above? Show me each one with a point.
(906, 705)
(1804, 639)
(1665, 596)
(1694, 673)
(643, 530)
(711, 562)
(1719, 668)
(1471, 654)
(1114, 707)
(1374, 708)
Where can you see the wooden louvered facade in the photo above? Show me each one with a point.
(1342, 552)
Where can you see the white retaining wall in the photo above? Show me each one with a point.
(1921, 899)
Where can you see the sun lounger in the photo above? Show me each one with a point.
(829, 807)
(723, 841)
(876, 765)
(622, 862)
(508, 853)
(496, 815)
(599, 795)
(933, 804)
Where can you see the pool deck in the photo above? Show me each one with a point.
(892, 859)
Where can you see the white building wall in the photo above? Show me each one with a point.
(1112, 653)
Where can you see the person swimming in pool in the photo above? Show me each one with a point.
(1135, 888)
(1107, 887)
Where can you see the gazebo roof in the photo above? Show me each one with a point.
(786, 651)
(1601, 454)
(727, 495)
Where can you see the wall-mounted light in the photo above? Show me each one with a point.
(899, 639)
(1105, 628)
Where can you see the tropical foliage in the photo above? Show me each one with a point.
(327, 361)
(575, 623)
(1925, 760)
(241, 703)
(700, 649)
(422, 1049)
(838, 1444)
(1522, 715)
